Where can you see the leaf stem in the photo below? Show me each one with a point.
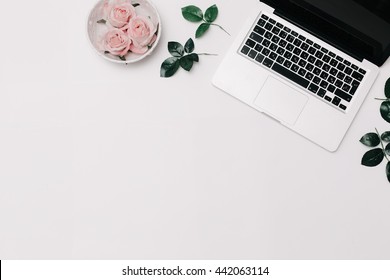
(383, 147)
(221, 28)
(207, 54)
(382, 99)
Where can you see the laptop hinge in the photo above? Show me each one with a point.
(317, 34)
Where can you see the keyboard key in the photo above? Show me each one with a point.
(336, 101)
(333, 71)
(317, 71)
(317, 46)
(295, 59)
(310, 42)
(326, 67)
(319, 54)
(357, 76)
(273, 56)
(309, 76)
(327, 98)
(324, 84)
(276, 30)
(273, 47)
(283, 34)
(339, 58)
(295, 68)
(338, 83)
(271, 20)
(268, 35)
(324, 75)
(362, 71)
(324, 50)
(280, 25)
(245, 49)
(282, 43)
(321, 92)
(268, 62)
(290, 38)
(287, 29)
(268, 26)
(259, 30)
(302, 63)
(311, 59)
(353, 89)
(287, 55)
(304, 55)
(331, 88)
(348, 80)
(348, 71)
(319, 63)
(346, 62)
(341, 67)
(280, 51)
(264, 17)
(305, 46)
(261, 22)
(302, 38)
(297, 51)
(250, 43)
(331, 54)
(258, 47)
(340, 76)
(290, 75)
(280, 60)
(331, 79)
(343, 95)
(333, 62)
(326, 58)
(302, 72)
(260, 58)
(309, 67)
(316, 80)
(354, 67)
(256, 37)
(343, 107)
(313, 88)
(287, 64)
(266, 43)
(252, 54)
(312, 50)
(346, 88)
(294, 33)
(265, 52)
(297, 42)
(290, 47)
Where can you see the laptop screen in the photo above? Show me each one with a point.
(359, 27)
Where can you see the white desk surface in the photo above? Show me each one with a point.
(103, 161)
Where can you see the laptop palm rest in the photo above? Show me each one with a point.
(280, 101)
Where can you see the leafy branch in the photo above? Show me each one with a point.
(194, 14)
(183, 57)
(375, 156)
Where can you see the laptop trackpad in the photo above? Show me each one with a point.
(281, 101)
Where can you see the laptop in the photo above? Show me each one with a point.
(309, 64)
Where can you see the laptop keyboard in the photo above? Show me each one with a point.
(323, 73)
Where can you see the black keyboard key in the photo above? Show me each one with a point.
(302, 72)
(343, 107)
(316, 80)
(302, 63)
(341, 67)
(295, 68)
(319, 54)
(282, 43)
(338, 83)
(309, 76)
(290, 38)
(250, 43)
(354, 67)
(312, 50)
(283, 34)
(295, 59)
(264, 17)
(252, 54)
(333, 62)
(273, 47)
(321, 92)
(245, 49)
(331, 79)
(265, 52)
(331, 54)
(326, 58)
(339, 58)
(280, 60)
(324, 50)
(319, 63)
(294, 33)
(273, 56)
(305, 46)
(346, 88)
(362, 71)
(260, 58)
(290, 47)
(266, 43)
(287, 64)
(287, 29)
(324, 75)
(268, 62)
(343, 95)
(290, 75)
(328, 98)
(346, 62)
(353, 89)
(271, 20)
(304, 55)
(302, 38)
(348, 71)
(357, 76)
(256, 37)
(268, 35)
(297, 42)
(311, 59)
(280, 25)
(313, 88)
(340, 76)
(268, 26)
(324, 84)
(287, 55)
(348, 80)
(258, 47)
(297, 51)
(309, 67)
(280, 51)
(261, 22)
(326, 67)
(336, 101)
(331, 88)
(259, 30)
(333, 71)
(317, 71)
(317, 46)
(276, 30)
(310, 42)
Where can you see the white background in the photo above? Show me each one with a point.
(105, 161)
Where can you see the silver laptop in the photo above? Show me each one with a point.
(309, 64)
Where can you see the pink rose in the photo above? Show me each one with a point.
(117, 42)
(121, 13)
(142, 31)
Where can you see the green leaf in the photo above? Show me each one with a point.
(192, 13)
(387, 149)
(387, 88)
(123, 58)
(135, 5)
(102, 21)
(388, 171)
(370, 140)
(169, 67)
(194, 57)
(176, 49)
(385, 111)
(202, 29)
(386, 136)
(211, 14)
(373, 158)
(186, 63)
(189, 46)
